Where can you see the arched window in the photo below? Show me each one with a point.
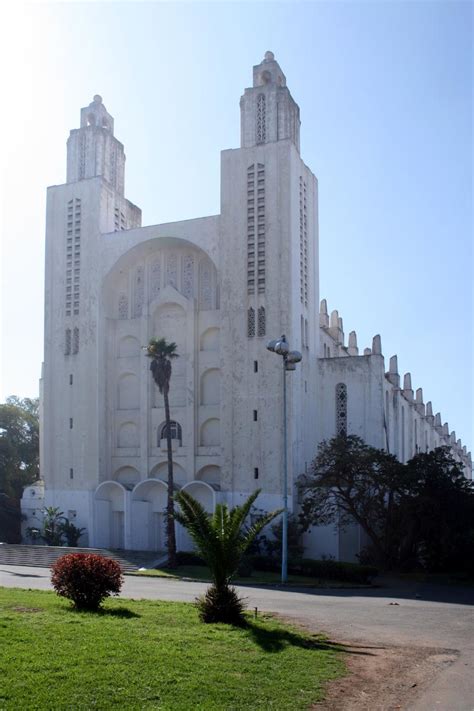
(175, 430)
(261, 327)
(341, 409)
(251, 323)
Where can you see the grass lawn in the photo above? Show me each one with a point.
(152, 655)
(201, 572)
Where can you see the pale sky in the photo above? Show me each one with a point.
(385, 93)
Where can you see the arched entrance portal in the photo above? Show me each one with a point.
(109, 512)
(148, 531)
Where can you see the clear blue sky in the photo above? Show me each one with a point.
(385, 92)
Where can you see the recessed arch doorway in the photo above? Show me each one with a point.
(148, 523)
(109, 513)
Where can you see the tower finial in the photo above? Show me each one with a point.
(268, 111)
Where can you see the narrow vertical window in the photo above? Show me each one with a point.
(123, 306)
(403, 434)
(255, 473)
(255, 366)
(251, 323)
(387, 421)
(341, 409)
(70, 423)
(251, 229)
(255, 416)
(67, 342)
(139, 290)
(261, 119)
(71, 473)
(303, 244)
(70, 379)
(256, 228)
(75, 345)
(261, 328)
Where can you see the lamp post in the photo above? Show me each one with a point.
(290, 358)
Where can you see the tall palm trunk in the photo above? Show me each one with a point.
(170, 529)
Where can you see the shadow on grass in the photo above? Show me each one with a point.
(277, 640)
(121, 612)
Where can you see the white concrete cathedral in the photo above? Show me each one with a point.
(220, 287)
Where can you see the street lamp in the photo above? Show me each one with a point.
(290, 358)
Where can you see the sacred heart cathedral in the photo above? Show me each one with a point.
(220, 287)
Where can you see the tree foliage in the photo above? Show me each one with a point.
(161, 354)
(352, 481)
(438, 513)
(19, 444)
(418, 513)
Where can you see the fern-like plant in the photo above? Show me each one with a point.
(221, 539)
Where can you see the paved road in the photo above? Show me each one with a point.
(426, 615)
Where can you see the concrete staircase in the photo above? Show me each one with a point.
(45, 556)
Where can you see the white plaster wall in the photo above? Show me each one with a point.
(364, 377)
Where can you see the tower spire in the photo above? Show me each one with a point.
(93, 150)
(268, 111)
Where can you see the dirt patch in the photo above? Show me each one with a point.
(381, 677)
(384, 678)
(26, 609)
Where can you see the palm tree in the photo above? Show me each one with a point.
(221, 539)
(161, 354)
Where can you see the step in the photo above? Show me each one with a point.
(45, 556)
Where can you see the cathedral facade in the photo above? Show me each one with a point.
(220, 287)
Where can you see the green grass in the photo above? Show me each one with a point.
(201, 572)
(152, 655)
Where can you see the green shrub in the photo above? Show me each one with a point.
(71, 533)
(221, 604)
(86, 579)
(52, 526)
(245, 567)
(336, 570)
(189, 558)
(273, 544)
(326, 569)
(265, 563)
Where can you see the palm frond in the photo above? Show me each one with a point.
(240, 513)
(253, 531)
(220, 538)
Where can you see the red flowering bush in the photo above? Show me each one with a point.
(86, 579)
